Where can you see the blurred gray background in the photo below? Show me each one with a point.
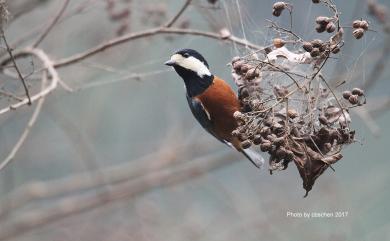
(106, 123)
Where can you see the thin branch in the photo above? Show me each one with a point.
(78, 204)
(151, 32)
(51, 25)
(28, 127)
(48, 64)
(16, 68)
(176, 17)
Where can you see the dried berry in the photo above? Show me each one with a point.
(320, 28)
(279, 6)
(236, 133)
(317, 43)
(280, 153)
(279, 141)
(246, 144)
(292, 113)
(315, 52)
(358, 33)
(235, 59)
(237, 65)
(363, 24)
(257, 140)
(278, 43)
(330, 27)
(353, 99)
(276, 13)
(323, 120)
(238, 115)
(308, 47)
(335, 50)
(243, 92)
(265, 146)
(357, 91)
(322, 20)
(245, 68)
(347, 94)
(356, 24)
(327, 147)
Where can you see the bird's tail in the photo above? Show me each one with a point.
(254, 157)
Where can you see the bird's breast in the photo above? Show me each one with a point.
(220, 101)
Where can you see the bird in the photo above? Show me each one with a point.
(212, 101)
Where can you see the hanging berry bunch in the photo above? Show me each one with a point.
(289, 109)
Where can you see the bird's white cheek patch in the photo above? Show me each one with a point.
(192, 64)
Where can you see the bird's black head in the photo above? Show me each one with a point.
(194, 70)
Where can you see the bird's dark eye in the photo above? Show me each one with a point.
(186, 55)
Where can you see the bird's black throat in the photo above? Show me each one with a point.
(194, 83)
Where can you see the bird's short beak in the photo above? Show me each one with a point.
(170, 63)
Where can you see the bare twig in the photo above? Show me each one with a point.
(29, 125)
(78, 204)
(48, 64)
(16, 68)
(51, 25)
(179, 13)
(151, 32)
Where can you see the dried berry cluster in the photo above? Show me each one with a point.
(288, 108)
(360, 27)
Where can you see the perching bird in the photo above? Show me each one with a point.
(211, 99)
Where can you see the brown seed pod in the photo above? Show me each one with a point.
(327, 147)
(347, 94)
(358, 33)
(292, 113)
(356, 24)
(320, 28)
(323, 120)
(307, 46)
(279, 141)
(276, 13)
(330, 27)
(250, 74)
(279, 6)
(271, 137)
(281, 153)
(235, 133)
(357, 91)
(246, 144)
(265, 131)
(323, 48)
(315, 52)
(245, 68)
(238, 115)
(289, 155)
(315, 1)
(317, 43)
(353, 99)
(242, 137)
(243, 92)
(322, 20)
(257, 139)
(237, 65)
(235, 59)
(363, 24)
(265, 146)
(278, 43)
(335, 50)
